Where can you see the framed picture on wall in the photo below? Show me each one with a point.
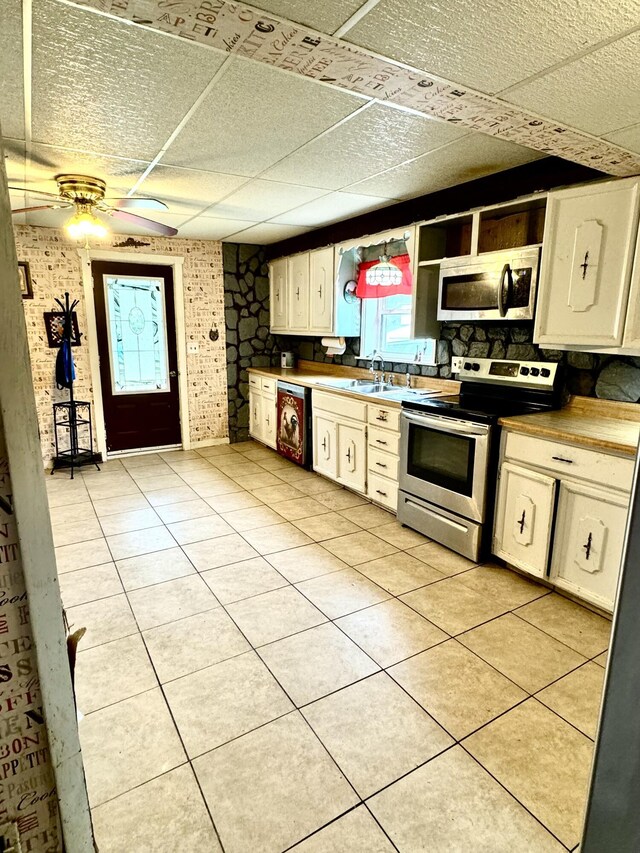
(54, 326)
(26, 286)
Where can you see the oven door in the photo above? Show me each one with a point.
(444, 461)
(500, 286)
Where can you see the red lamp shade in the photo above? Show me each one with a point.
(370, 290)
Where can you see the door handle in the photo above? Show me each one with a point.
(349, 454)
(506, 273)
(522, 520)
(298, 293)
(588, 546)
(320, 291)
(173, 373)
(324, 443)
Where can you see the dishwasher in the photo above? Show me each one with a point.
(293, 430)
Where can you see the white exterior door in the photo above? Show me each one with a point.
(278, 294)
(352, 455)
(589, 242)
(324, 446)
(524, 514)
(321, 290)
(298, 292)
(588, 542)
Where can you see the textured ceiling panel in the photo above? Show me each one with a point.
(493, 44)
(598, 93)
(472, 157)
(260, 200)
(211, 228)
(255, 116)
(628, 138)
(11, 90)
(374, 140)
(186, 189)
(326, 16)
(265, 233)
(332, 208)
(101, 85)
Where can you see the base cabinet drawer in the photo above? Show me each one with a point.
(524, 518)
(339, 405)
(384, 439)
(383, 491)
(588, 542)
(383, 464)
(566, 460)
(384, 417)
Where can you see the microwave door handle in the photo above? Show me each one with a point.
(506, 273)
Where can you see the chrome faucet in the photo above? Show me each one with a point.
(376, 377)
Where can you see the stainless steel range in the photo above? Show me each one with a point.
(449, 449)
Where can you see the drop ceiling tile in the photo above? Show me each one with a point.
(102, 85)
(325, 17)
(376, 139)
(472, 157)
(254, 116)
(597, 93)
(11, 91)
(493, 44)
(332, 208)
(260, 200)
(265, 232)
(189, 190)
(628, 138)
(211, 228)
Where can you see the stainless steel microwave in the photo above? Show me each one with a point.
(494, 286)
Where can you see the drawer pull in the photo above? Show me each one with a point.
(380, 492)
(380, 441)
(381, 465)
(562, 459)
(381, 417)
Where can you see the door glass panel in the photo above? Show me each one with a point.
(137, 334)
(441, 458)
(470, 291)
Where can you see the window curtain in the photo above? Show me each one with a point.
(377, 291)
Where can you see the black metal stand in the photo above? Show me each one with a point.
(72, 418)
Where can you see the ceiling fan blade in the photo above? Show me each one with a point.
(34, 192)
(17, 147)
(39, 207)
(146, 203)
(150, 224)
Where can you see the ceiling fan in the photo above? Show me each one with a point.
(87, 195)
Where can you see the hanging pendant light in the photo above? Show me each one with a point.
(384, 273)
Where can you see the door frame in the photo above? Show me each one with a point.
(176, 263)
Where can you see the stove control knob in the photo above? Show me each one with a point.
(467, 365)
(535, 371)
(544, 371)
(524, 371)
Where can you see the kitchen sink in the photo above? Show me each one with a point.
(362, 386)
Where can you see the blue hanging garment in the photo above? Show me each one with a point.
(65, 369)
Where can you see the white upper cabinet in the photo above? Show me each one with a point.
(278, 295)
(298, 295)
(321, 273)
(589, 242)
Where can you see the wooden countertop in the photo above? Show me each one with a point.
(600, 424)
(310, 374)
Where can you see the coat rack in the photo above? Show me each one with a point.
(72, 419)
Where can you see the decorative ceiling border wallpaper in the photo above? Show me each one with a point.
(241, 30)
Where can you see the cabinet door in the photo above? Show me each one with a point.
(324, 446)
(631, 340)
(589, 240)
(524, 514)
(278, 294)
(269, 416)
(298, 292)
(588, 542)
(321, 290)
(255, 414)
(352, 455)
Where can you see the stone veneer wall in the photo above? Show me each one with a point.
(249, 342)
(610, 377)
(55, 267)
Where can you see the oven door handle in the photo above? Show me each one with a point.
(447, 425)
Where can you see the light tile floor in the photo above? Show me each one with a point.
(273, 663)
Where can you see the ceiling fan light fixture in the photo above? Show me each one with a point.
(84, 224)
